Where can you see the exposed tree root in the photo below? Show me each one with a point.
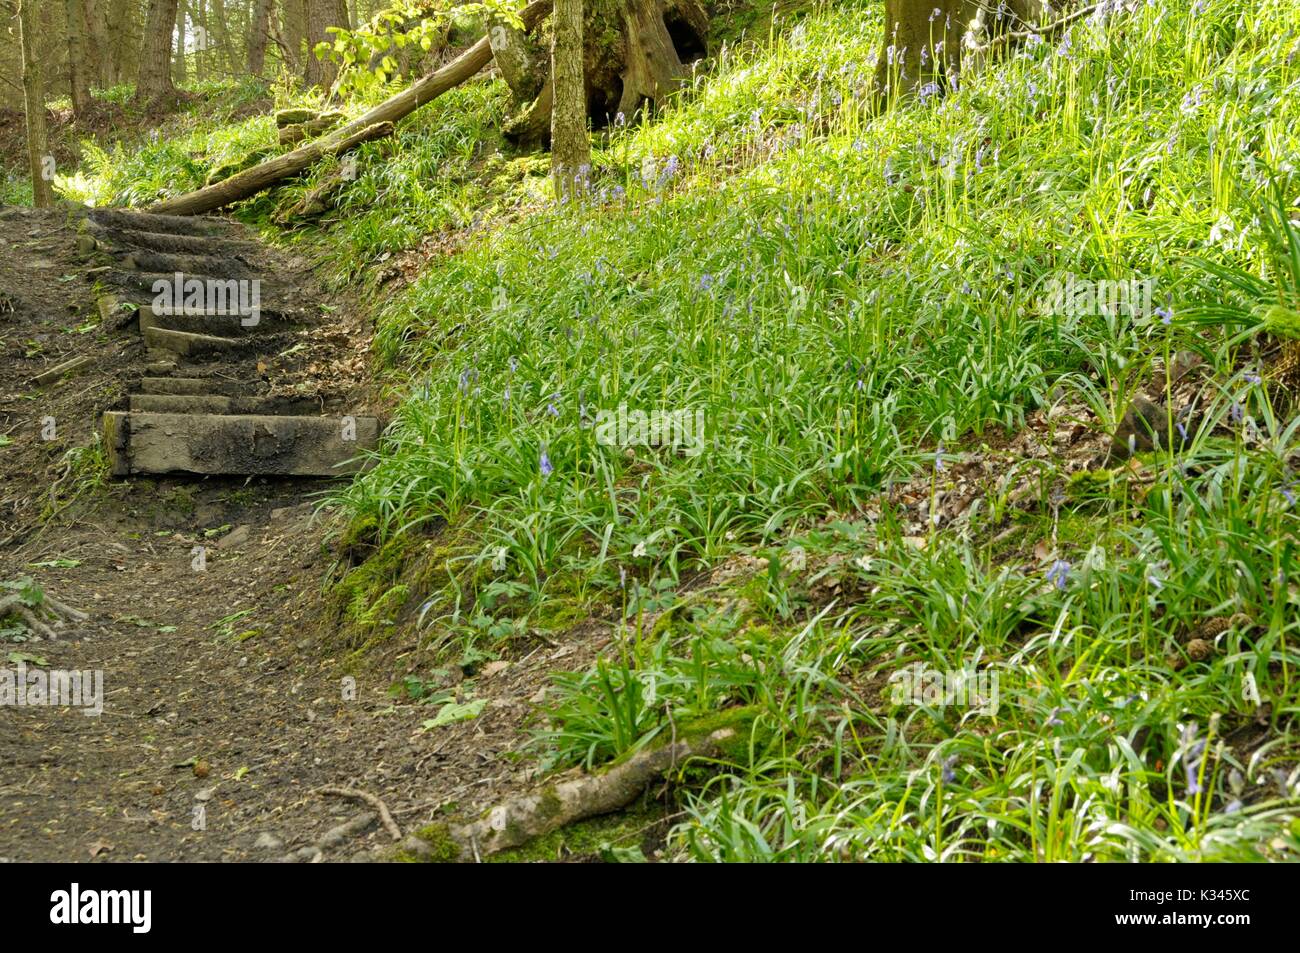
(49, 608)
(520, 820)
(334, 837)
(385, 816)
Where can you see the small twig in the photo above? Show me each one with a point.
(385, 816)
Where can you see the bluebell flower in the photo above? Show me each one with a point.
(545, 465)
(1058, 573)
(948, 774)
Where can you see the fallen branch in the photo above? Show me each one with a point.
(1033, 31)
(385, 816)
(517, 821)
(382, 117)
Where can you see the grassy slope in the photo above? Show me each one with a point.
(856, 306)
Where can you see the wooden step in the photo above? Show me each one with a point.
(165, 224)
(173, 244)
(229, 266)
(214, 323)
(212, 444)
(209, 403)
(185, 344)
(197, 386)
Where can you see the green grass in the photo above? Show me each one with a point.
(855, 304)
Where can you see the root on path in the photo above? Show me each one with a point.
(519, 820)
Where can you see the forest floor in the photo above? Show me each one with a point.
(227, 701)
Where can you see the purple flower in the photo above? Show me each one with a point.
(1052, 720)
(948, 774)
(1058, 573)
(1166, 315)
(545, 465)
(938, 459)
(1252, 378)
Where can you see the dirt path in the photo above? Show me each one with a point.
(226, 701)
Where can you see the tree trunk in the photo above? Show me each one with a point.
(516, 59)
(293, 25)
(570, 143)
(123, 47)
(652, 65)
(371, 125)
(636, 52)
(218, 40)
(78, 61)
(257, 35)
(179, 69)
(97, 49)
(923, 45)
(155, 79)
(38, 159)
(321, 15)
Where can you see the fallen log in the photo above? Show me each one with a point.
(522, 819)
(265, 174)
(291, 135)
(376, 123)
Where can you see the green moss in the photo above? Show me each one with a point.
(1282, 321)
(584, 839)
(744, 721)
(442, 848)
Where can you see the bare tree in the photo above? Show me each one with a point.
(34, 103)
(155, 77)
(570, 144)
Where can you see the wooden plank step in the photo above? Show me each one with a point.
(228, 266)
(197, 386)
(214, 323)
(185, 344)
(208, 403)
(213, 444)
(166, 224)
(137, 287)
(175, 244)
